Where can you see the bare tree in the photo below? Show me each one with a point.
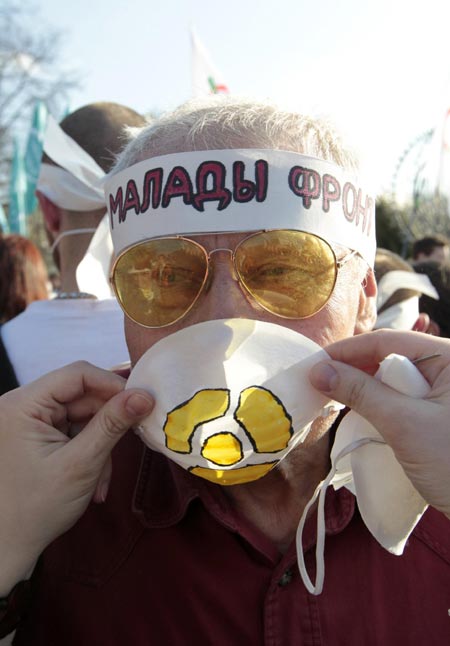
(29, 72)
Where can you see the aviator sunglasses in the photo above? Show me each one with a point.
(289, 273)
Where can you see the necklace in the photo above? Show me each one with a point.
(72, 295)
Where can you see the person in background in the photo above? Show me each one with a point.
(80, 323)
(438, 311)
(433, 247)
(398, 291)
(23, 275)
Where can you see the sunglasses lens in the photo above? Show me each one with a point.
(158, 281)
(290, 273)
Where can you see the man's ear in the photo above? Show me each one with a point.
(52, 214)
(367, 309)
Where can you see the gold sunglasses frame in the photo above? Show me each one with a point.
(247, 293)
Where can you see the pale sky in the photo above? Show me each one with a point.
(380, 69)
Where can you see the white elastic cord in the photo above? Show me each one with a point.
(71, 232)
(317, 587)
(320, 544)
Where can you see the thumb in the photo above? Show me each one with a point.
(375, 401)
(96, 441)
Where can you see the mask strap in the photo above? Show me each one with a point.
(321, 489)
(72, 232)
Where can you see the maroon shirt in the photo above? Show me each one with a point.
(181, 567)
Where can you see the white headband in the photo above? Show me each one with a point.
(240, 190)
(399, 279)
(76, 182)
(67, 192)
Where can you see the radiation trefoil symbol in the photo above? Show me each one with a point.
(259, 413)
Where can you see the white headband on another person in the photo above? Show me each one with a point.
(67, 191)
(240, 190)
(74, 184)
(401, 315)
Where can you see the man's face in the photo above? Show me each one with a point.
(225, 299)
(439, 254)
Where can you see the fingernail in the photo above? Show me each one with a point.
(139, 405)
(324, 377)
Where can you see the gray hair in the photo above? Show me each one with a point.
(217, 123)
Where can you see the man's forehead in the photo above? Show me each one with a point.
(239, 190)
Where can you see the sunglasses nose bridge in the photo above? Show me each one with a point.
(213, 251)
(230, 252)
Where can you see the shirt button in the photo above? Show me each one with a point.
(286, 578)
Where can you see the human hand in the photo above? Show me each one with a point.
(416, 429)
(47, 477)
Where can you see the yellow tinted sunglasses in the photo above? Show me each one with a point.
(289, 273)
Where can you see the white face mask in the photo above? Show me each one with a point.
(362, 462)
(232, 397)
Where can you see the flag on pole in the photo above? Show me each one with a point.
(33, 154)
(206, 79)
(17, 193)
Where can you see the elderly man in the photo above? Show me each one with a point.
(235, 210)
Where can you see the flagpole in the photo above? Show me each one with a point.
(17, 193)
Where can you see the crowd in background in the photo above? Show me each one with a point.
(430, 295)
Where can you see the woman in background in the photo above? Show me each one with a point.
(23, 275)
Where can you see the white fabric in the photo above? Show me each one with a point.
(77, 183)
(93, 271)
(67, 191)
(363, 463)
(294, 192)
(270, 359)
(399, 279)
(401, 316)
(204, 72)
(50, 334)
(65, 152)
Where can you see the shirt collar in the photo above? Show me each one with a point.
(164, 492)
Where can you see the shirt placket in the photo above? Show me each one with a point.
(291, 614)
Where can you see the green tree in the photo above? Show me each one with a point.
(391, 225)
